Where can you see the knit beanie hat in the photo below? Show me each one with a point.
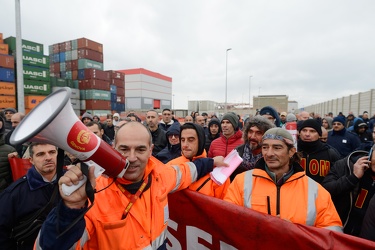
(339, 119)
(87, 115)
(311, 123)
(10, 110)
(279, 134)
(291, 118)
(232, 118)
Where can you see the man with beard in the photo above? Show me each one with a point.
(25, 197)
(279, 187)
(317, 157)
(251, 150)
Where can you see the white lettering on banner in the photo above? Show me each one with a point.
(175, 244)
(193, 234)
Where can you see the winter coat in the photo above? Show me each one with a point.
(21, 199)
(159, 140)
(343, 141)
(222, 146)
(299, 199)
(317, 158)
(350, 194)
(5, 170)
(144, 227)
(170, 152)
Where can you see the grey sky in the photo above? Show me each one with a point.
(312, 51)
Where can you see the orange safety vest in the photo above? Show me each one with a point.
(300, 199)
(210, 188)
(146, 223)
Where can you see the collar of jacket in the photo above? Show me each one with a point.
(237, 134)
(341, 132)
(35, 179)
(260, 170)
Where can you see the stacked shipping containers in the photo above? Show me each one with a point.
(80, 63)
(7, 84)
(117, 81)
(36, 74)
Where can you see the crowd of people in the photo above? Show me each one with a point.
(304, 168)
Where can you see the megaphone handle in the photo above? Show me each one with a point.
(68, 190)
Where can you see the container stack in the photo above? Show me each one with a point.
(36, 75)
(80, 63)
(117, 85)
(7, 84)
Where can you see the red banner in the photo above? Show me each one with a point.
(201, 222)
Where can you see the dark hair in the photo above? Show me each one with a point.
(134, 115)
(90, 124)
(262, 123)
(33, 144)
(166, 110)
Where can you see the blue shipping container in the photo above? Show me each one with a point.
(6, 75)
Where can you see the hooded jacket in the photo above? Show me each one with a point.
(209, 136)
(170, 152)
(204, 185)
(343, 141)
(317, 158)
(366, 136)
(271, 111)
(350, 195)
(86, 115)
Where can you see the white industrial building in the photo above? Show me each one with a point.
(145, 90)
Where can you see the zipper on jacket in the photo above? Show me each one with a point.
(278, 200)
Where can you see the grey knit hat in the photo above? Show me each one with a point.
(232, 118)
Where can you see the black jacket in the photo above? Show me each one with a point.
(345, 188)
(317, 158)
(159, 140)
(170, 151)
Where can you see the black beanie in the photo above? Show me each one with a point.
(311, 123)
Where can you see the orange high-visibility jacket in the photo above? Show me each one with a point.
(300, 199)
(209, 188)
(146, 223)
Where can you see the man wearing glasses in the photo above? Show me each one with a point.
(342, 140)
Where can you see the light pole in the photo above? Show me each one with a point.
(226, 81)
(249, 91)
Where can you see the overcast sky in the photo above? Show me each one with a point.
(312, 51)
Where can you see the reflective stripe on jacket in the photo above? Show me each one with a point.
(300, 199)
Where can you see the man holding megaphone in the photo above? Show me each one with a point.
(129, 212)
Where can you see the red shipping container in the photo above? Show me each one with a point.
(93, 74)
(90, 54)
(74, 74)
(6, 61)
(118, 82)
(68, 45)
(55, 48)
(116, 75)
(4, 49)
(54, 68)
(98, 104)
(74, 64)
(1, 38)
(86, 43)
(68, 65)
(120, 91)
(94, 84)
(61, 47)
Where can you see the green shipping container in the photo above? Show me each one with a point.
(58, 82)
(27, 46)
(37, 87)
(94, 94)
(34, 59)
(89, 64)
(36, 73)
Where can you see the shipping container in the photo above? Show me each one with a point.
(116, 74)
(1, 38)
(54, 68)
(62, 56)
(58, 82)
(119, 107)
(89, 64)
(36, 73)
(118, 82)
(95, 94)
(113, 89)
(7, 101)
(4, 49)
(76, 104)
(34, 59)
(68, 55)
(6, 61)
(6, 75)
(120, 99)
(31, 101)
(90, 54)
(100, 112)
(89, 44)
(97, 104)
(74, 54)
(7, 88)
(120, 91)
(74, 93)
(93, 74)
(94, 84)
(31, 87)
(27, 46)
(54, 58)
